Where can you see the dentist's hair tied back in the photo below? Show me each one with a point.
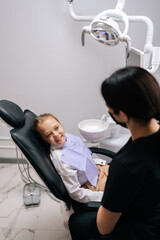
(134, 91)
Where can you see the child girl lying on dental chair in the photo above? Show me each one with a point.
(72, 159)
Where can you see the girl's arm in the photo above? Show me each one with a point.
(76, 192)
(71, 182)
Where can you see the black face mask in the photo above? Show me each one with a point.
(122, 124)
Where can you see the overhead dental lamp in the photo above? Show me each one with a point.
(105, 29)
(105, 32)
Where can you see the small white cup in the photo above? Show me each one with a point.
(114, 128)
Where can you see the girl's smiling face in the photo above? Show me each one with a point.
(52, 131)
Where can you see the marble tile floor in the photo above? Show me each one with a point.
(44, 222)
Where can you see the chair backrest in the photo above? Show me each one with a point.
(24, 137)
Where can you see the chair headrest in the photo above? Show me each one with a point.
(11, 113)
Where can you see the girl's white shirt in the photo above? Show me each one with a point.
(71, 179)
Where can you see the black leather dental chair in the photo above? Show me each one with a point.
(25, 139)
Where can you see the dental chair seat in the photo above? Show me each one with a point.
(33, 150)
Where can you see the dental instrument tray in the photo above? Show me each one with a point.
(31, 195)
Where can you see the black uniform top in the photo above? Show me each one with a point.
(133, 188)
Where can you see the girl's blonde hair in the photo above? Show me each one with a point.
(38, 120)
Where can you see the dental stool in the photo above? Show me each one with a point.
(34, 152)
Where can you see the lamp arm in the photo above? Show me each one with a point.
(126, 39)
(117, 15)
(77, 17)
(120, 5)
(155, 60)
(150, 30)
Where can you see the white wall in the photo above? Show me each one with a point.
(43, 66)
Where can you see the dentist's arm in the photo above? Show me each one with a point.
(106, 220)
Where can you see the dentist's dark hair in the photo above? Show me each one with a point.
(134, 91)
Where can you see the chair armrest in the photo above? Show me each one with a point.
(92, 206)
(102, 151)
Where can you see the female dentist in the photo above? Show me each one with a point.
(130, 207)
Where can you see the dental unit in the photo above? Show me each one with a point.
(105, 29)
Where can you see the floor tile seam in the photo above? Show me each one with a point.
(34, 229)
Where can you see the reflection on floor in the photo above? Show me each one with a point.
(20, 223)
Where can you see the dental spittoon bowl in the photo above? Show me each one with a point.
(93, 130)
